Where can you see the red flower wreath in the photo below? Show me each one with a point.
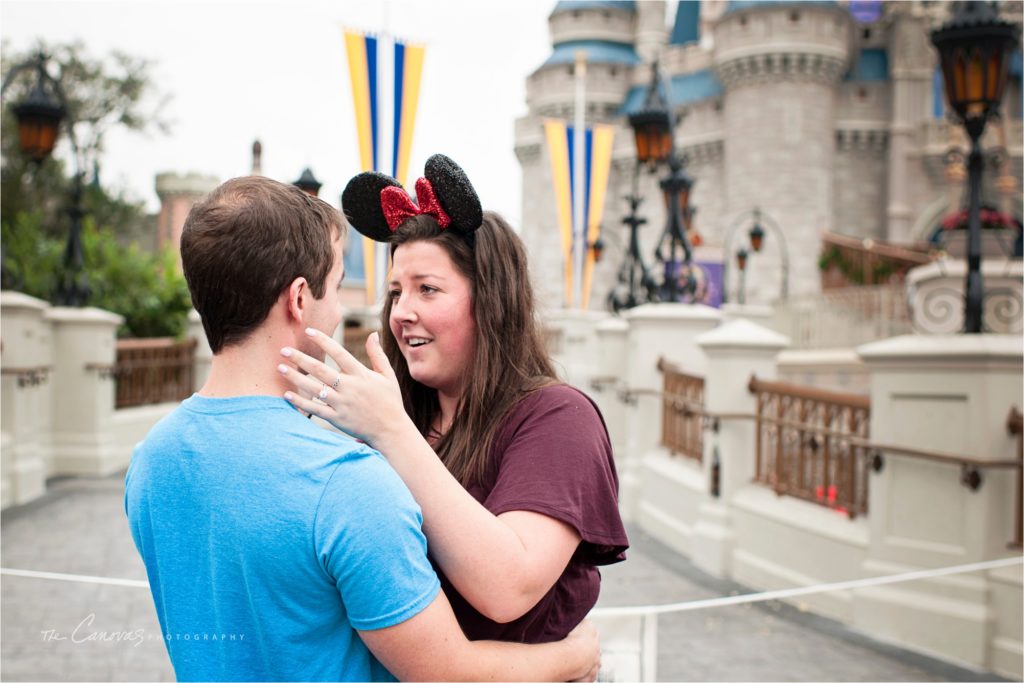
(990, 220)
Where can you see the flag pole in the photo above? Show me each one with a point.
(579, 141)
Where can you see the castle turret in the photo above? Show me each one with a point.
(650, 29)
(257, 158)
(177, 195)
(780, 63)
(912, 64)
(605, 33)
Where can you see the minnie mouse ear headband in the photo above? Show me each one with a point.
(376, 204)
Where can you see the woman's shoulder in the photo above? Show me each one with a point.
(555, 398)
(554, 393)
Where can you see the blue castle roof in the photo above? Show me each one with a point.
(735, 5)
(566, 5)
(598, 52)
(687, 25)
(683, 89)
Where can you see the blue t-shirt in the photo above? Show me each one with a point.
(268, 540)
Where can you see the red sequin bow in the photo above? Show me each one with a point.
(397, 204)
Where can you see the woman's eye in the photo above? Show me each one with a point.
(427, 289)
(394, 293)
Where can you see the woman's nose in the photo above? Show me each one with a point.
(402, 309)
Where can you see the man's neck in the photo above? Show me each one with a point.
(248, 369)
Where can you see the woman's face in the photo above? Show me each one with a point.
(432, 316)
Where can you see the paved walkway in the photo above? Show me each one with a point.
(55, 630)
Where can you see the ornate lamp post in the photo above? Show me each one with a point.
(308, 183)
(974, 49)
(653, 127)
(756, 235)
(636, 286)
(39, 117)
(741, 263)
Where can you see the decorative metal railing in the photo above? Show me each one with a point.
(810, 444)
(804, 446)
(849, 260)
(155, 370)
(682, 422)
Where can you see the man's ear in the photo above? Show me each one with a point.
(299, 298)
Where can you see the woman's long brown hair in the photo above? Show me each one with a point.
(511, 359)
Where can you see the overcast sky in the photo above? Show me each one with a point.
(277, 71)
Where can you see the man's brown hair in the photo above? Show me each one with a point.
(245, 243)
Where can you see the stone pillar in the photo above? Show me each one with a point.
(611, 369)
(27, 381)
(735, 351)
(656, 330)
(756, 313)
(577, 354)
(949, 394)
(84, 353)
(203, 354)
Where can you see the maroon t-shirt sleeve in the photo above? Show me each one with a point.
(553, 457)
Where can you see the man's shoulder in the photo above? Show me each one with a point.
(250, 427)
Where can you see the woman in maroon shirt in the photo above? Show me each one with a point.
(512, 468)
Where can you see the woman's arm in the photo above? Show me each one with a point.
(503, 565)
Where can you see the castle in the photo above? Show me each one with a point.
(825, 116)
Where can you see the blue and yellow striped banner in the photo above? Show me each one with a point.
(373, 63)
(597, 157)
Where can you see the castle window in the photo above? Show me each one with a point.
(867, 34)
(794, 16)
(613, 72)
(862, 93)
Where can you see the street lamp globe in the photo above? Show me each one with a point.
(756, 237)
(39, 116)
(974, 48)
(741, 258)
(652, 125)
(653, 133)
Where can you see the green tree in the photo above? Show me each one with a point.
(99, 94)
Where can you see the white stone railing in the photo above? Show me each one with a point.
(944, 394)
(843, 318)
(58, 373)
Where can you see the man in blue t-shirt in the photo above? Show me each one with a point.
(275, 549)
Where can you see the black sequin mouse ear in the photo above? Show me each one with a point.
(455, 192)
(361, 203)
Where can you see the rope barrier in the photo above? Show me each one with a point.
(641, 610)
(804, 590)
